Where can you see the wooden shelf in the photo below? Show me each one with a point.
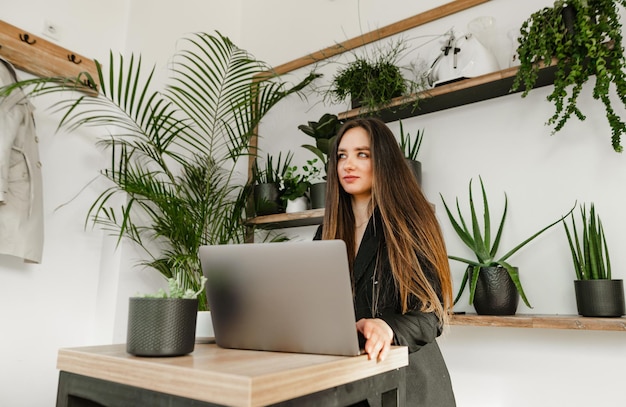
(288, 220)
(463, 92)
(542, 321)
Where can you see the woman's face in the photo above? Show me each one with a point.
(354, 163)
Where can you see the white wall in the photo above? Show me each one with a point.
(83, 284)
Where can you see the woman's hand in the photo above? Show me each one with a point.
(378, 337)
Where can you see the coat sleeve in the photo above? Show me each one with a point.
(413, 329)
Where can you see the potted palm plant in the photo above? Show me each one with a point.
(582, 39)
(173, 151)
(494, 284)
(597, 294)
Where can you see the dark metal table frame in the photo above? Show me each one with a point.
(384, 390)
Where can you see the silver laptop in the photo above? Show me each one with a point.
(288, 297)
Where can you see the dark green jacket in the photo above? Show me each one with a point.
(428, 382)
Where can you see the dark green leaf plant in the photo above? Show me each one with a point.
(410, 146)
(479, 239)
(324, 132)
(272, 171)
(590, 253)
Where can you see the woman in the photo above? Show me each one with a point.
(398, 260)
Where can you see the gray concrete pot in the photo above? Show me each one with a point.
(600, 298)
(161, 326)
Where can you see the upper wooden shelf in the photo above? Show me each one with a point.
(459, 93)
(576, 322)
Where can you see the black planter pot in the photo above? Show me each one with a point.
(357, 101)
(161, 326)
(416, 169)
(266, 199)
(495, 292)
(569, 18)
(600, 298)
(317, 193)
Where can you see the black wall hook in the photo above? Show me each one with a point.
(26, 39)
(72, 58)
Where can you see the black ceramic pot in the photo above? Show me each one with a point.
(266, 199)
(161, 326)
(317, 194)
(496, 293)
(600, 298)
(416, 169)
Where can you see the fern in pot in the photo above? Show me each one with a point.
(597, 293)
(494, 284)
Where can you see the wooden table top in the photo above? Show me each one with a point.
(227, 376)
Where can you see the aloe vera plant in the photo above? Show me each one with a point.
(590, 252)
(479, 240)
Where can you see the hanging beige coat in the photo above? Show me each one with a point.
(21, 201)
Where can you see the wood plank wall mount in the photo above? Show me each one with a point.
(36, 55)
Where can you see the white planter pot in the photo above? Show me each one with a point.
(204, 327)
(297, 205)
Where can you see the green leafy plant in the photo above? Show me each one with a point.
(295, 183)
(271, 173)
(179, 288)
(590, 252)
(479, 239)
(324, 131)
(173, 152)
(312, 172)
(590, 47)
(373, 79)
(410, 147)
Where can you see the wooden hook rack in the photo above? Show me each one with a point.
(40, 57)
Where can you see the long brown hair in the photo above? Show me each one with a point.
(410, 226)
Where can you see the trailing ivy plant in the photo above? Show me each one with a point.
(589, 44)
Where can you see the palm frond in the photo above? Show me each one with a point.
(173, 153)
